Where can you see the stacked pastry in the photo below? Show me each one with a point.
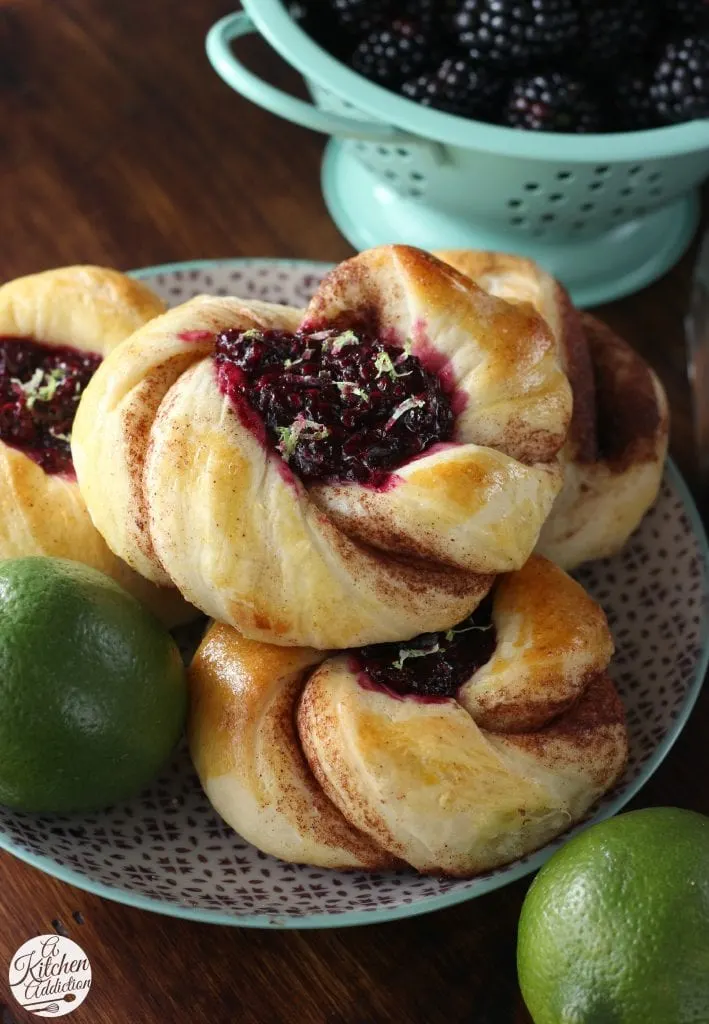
(353, 493)
(617, 442)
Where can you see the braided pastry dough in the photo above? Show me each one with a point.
(615, 453)
(179, 481)
(310, 761)
(90, 309)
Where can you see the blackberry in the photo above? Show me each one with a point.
(447, 13)
(631, 103)
(361, 16)
(686, 14)
(517, 32)
(433, 664)
(553, 102)
(337, 405)
(40, 388)
(616, 28)
(680, 85)
(423, 12)
(458, 88)
(393, 54)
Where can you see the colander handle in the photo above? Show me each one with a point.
(233, 72)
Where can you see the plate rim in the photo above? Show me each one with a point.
(424, 906)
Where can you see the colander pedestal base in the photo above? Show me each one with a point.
(624, 259)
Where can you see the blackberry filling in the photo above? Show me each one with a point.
(433, 664)
(336, 404)
(40, 388)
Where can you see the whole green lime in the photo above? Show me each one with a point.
(92, 688)
(615, 928)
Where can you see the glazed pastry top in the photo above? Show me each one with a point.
(223, 421)
(454, 752)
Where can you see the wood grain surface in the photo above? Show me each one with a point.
(119, 145)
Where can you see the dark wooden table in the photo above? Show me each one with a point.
(118, 145)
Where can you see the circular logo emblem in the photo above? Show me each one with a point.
(50, 975)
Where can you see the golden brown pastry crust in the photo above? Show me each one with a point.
(604, 499)
(552, 639)
(422, 781)
(617, 444)
(91, 309)
(243, 696)
(332, 565)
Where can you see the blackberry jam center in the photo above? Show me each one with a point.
(336, 404)
(40, 389)
(433, 664)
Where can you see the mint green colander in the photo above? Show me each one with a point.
(606, 214)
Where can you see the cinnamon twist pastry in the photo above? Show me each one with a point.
(55, 328)
(455, 753)
(615, 453)
(354, 473)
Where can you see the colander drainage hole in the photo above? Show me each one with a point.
(602, 169)
(514, 203)
(416, 175)
(564, 175)
(626, 191)
(531, 186)
(595, 186)
(403, 151)
(656, 191)
(390, 175)
(587, 206)
(635, 169)
(555, 197)
(383, 151)
(415, 193)
(518, 221)
(548, 217)
(655, 176)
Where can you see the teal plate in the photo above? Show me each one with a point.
(167, 850)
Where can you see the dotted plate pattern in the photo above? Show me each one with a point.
(167, 850)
